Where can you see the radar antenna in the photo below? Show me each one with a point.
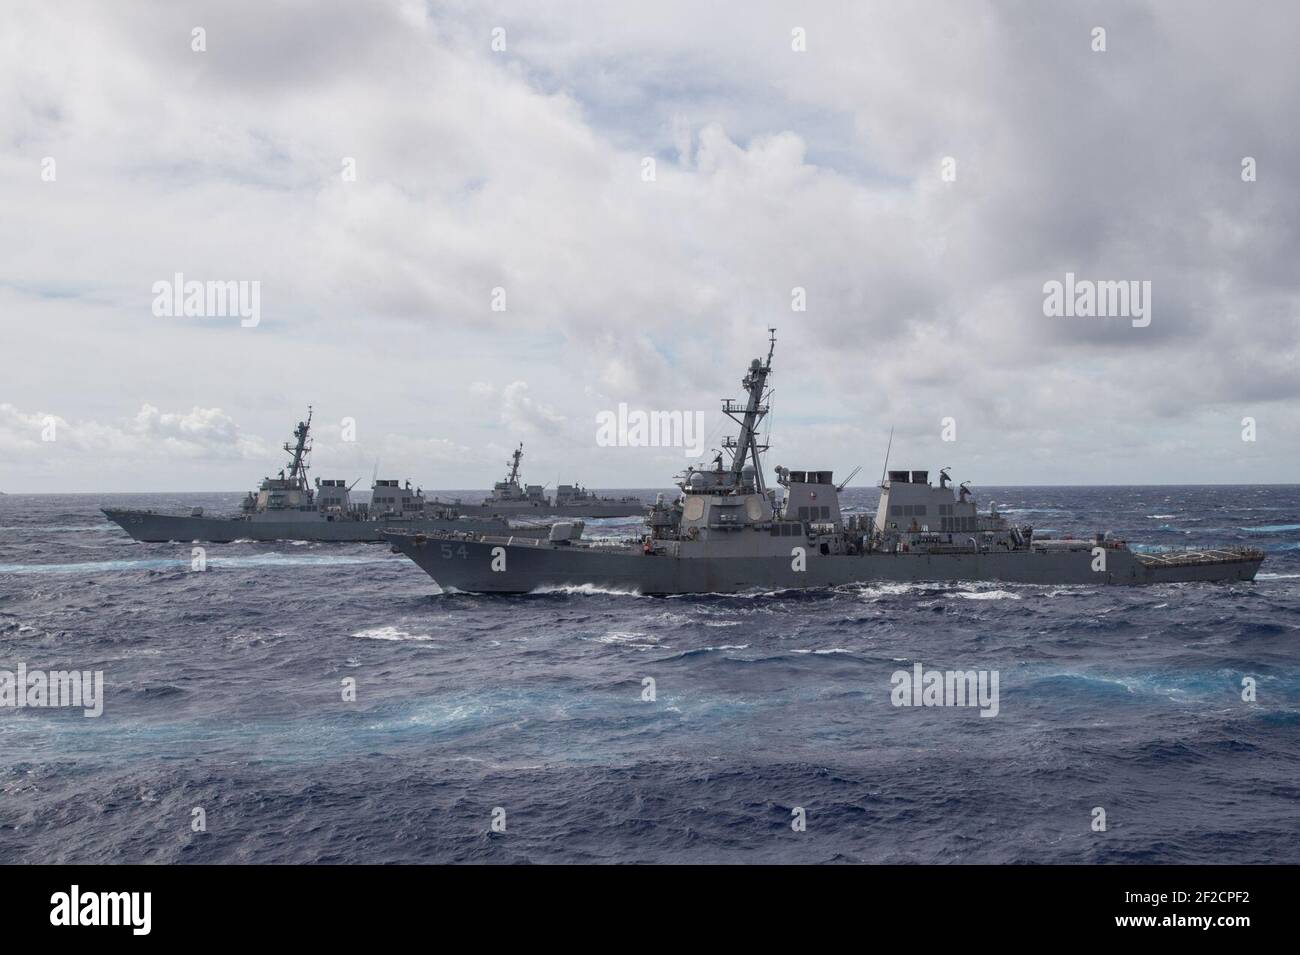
(884, 469)
(299, 451)
(513, 476)
(746, 448)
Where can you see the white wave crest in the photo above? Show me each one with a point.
(985, 595)
(585, 589)
(390, 633)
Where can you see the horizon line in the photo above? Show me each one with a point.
(435, 491)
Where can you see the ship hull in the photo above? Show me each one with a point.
(529, 566)
(571, 511)
(148, 527)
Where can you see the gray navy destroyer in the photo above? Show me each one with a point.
(511, 498)
(289, 507)
(728, 532)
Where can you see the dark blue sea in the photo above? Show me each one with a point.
(223, 692)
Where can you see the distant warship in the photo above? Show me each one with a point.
(287, 507)
(727, 532)
(510, 498)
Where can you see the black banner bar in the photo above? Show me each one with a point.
(330, 904)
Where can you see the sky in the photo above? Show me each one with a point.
(478, 224)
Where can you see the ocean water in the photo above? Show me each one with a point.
(223, 692)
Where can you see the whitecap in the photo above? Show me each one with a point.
(986, 595)
(890, 589)
(390, 633)
(585, 589)
(630, 638)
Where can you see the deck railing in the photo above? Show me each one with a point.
(1216, 555)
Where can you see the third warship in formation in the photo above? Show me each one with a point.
(288, 507)
(511, 498)
(728, 532)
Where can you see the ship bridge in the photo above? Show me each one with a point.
(288, 492)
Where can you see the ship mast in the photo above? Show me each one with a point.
(513, 476)
(300, 450)
(746, 446)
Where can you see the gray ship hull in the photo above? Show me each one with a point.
(538, 511)
(149, 527)
(466, 565)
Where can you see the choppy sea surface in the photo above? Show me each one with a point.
(224, 692)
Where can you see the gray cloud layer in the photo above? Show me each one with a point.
(522, 170)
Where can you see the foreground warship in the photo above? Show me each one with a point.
(727, 533)
(288, 507)
(511, 498)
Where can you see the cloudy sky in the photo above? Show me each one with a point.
(806, 146)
